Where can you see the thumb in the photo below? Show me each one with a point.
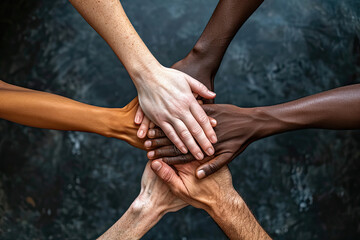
(199, 88)
(167, 174)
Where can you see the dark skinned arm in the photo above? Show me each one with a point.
(238, 127)
(203, 61)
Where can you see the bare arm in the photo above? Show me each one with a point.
(203, 61)
(165, 95)
(46, 110)
(153, 202)
(238, 127)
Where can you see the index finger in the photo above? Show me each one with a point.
(213, 165)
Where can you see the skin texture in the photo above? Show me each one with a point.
(238, 127)
(165, 95)
(203, 61)
(214, 194)
(45, 110)
(154, 201)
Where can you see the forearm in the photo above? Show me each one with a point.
(136, 221)
(235, 218)
(223, 25)
(334, 109)
(46, 110)
(108, 18)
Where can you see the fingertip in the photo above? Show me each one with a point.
(183, 150)
(151, 154)
(211, 94)
(140, 133)
(147, 144)
(213, 122)
(200, 174)
(213, 139)
(151, 133)
(156, 166)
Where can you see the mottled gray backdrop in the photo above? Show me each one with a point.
(69, 185)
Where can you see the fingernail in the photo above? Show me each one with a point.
(147, 143)
(210, 151)
(151, 133)
(201, 174)
(141, 132)
(212, 93)
(213, 139)
(151, 154)
(199, 156)
(183, 150)
(137, 120)
(156, 166)
(213, 121)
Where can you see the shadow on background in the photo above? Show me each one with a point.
(68, 185)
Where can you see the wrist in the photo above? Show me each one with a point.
(147, 208)
(277, 119)
(144, 72)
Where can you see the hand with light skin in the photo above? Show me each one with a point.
(154, 201)
(165, 95)
(205, 58)
(215, 194)
(238, 127)
(45, 110)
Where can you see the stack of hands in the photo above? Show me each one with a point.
(189, 139)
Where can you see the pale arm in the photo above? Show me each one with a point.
(154, 201)
(165, 95)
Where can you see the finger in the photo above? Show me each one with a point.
(181, 159)
(199, 88)
(144, 127)
(213, 121)
(200, 102)
(198, 133)
(172, 135)
(187, 137)
(168, 175)
(139, 115)
(213, 165)
(156, 143)
(209, 108)
(204, 122)
(167, 151)
(152, 125)
(156, 133)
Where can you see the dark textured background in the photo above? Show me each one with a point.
(68, 185)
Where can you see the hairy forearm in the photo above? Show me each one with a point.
(108, 18)
(223, 25)
(136, 221)
(235, 218)
(334, 109)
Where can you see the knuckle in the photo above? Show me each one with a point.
(196, 131)
(185, 134)
(203, 119)
(167, 176)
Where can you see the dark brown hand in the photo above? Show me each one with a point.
(238, 127)
(203, 61)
